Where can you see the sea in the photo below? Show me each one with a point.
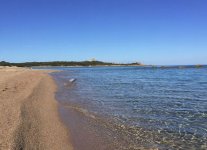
(134, 107)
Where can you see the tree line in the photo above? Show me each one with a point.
(63, 63)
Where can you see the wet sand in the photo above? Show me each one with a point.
(29, 112)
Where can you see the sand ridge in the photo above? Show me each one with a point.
(28, 111)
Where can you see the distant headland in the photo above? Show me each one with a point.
(91, 63)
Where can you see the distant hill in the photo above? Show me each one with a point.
(66, 63)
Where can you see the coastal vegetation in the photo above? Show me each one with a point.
(67, 63)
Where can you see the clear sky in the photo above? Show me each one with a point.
(150, 31)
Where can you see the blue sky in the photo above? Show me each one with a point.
(150, 31)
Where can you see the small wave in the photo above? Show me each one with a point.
(81, 110)
(172, 97)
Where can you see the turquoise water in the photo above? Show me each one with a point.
(140, 107)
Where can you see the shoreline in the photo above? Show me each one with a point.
(29, 117)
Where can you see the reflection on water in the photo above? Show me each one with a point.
(143, 107)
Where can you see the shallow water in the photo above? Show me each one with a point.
(134, 107)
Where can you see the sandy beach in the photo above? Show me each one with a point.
(29, 112)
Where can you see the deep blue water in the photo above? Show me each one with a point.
(150, 107)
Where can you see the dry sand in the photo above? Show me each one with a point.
(28, 112)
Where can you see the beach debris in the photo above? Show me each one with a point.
(5, 89)
(70, 82)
